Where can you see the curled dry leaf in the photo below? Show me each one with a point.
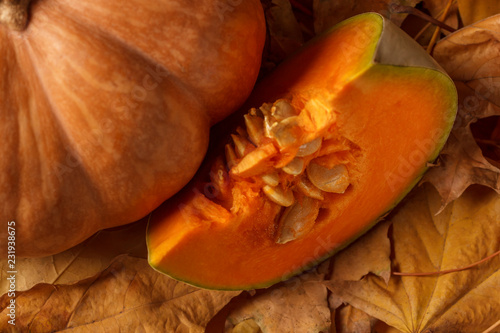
(465, 232)
(297, 305)
(81, 261)
(327, 13)
(471, 56)
(129, 296)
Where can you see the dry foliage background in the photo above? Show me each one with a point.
(448, 224)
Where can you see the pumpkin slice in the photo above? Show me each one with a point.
(353, 119)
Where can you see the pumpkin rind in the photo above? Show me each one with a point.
(106, 108)
(382, 116)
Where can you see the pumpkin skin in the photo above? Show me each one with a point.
(381, 109)
(106, 108)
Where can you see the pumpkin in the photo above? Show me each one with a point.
(326, 144)
(106, 107)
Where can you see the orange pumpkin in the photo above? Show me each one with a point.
(106, 107)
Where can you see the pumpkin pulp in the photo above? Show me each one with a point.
(333, 140)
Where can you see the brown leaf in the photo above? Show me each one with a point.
(297, 305)
(327, 13)
(351, 320)
(475, 10)
(370, 254)
(465, 232)
(129, 296)
(422, 30)
(285, 34)
(436, 9)
(81, 261)
(471, 56)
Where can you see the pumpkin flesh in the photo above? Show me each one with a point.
(387, 120)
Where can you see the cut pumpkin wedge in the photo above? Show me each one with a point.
(330, 141)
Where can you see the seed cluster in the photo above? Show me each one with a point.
(275, 148)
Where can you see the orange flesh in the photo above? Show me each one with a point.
(390, 112)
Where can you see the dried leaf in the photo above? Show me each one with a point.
(285, 34)
(370, 254)
(298, 305)
(436, 9)
(79, 262)
(129, 296)
(327, 13)
(423, 30)
(351, 320)
(465, 232)
(471, 56)
(475, 10)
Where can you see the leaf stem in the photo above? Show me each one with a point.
(418, 13)
(492, 327)
(449, 270)
(435, 35)
(301, 7)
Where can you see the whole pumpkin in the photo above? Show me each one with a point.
(106, 107)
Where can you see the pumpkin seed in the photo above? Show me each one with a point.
(309, 148)
(255, 128)
(255, 162)
(284, 132)
(295, 167)
(297, 220)
(271, 179)
(334, 180)
(305, 186)
(282, 109)
(280, 122)
(240, 144)
(278, 195)
(231, 157)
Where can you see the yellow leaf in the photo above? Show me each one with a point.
(370, 254)
(129, 296)
(465, 232)
(475, 10)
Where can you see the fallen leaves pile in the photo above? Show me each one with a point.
(420, 270)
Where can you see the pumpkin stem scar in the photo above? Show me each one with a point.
(14, 14)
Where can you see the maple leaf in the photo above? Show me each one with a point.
(297, 305)
(129, 296)
(370, 254)
(465, 232)
(80, 262)
(351, 320)
(471, 56)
